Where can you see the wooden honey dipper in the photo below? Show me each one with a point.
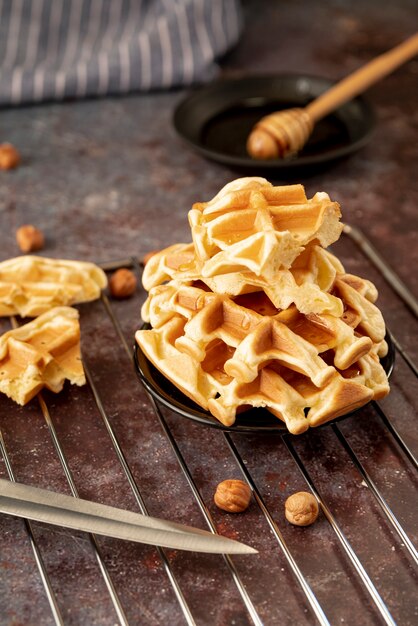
(283, 133)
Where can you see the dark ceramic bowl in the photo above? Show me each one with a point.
(216, 120)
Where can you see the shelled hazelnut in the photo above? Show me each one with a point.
(9, 156)
(301, 509)
(29, 238)
(122, 283)
(233, 496)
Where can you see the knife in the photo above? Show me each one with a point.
(55, 508)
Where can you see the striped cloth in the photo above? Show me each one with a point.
(56, 49)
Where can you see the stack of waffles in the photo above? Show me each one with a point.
(255, 312)
(45, 352)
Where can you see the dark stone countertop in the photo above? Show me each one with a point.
(106, 179)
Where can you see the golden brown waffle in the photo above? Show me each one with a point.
(298, 346)
(42, 353)
(31, 285)
(175, 262)
(252, 226)
(226, 355)
(256, 313)
(370, 319)
(307, 283)
(299, 405)
(180, 368)
(324, 331)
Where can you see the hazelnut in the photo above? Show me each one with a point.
(9, 157)
(122, 283)
(147, 256)
(301, 508)
(232, 495)
(29, 238)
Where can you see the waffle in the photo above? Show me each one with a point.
(307, 283)
(228, 355)
(367, 316)
(31, 285)
(256, 313)
(349, 341)
(42, 353)
(175, 262)
(298, 403)
(251, 225)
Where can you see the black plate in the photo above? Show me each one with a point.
(217, 119)
(254, 420)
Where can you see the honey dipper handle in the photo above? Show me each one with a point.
(362, 79)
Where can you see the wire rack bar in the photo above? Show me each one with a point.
(92, 538)
(56, 613)
(404, 354)
(366, 247)
(396, 435)
(206, 514)
(410, 301)
(138, 497)
(376, 493)
(365, 578)
(374, 257)
(111, 266)
(378, 601)
(310, 596)
(93, 541)
(402, 291)
(180, 459)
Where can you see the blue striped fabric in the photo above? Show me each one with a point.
(56, 49)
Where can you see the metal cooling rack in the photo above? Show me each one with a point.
(318, 614)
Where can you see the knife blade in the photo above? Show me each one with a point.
(55, 508)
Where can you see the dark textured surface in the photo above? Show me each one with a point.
(106, 179)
